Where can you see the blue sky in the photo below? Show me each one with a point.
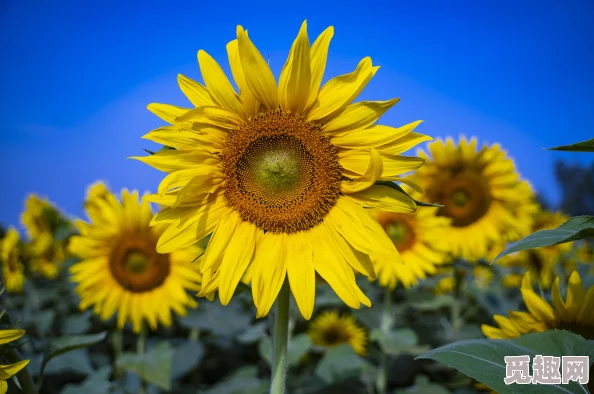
(77, 76)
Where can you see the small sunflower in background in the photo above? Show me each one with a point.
(540, 262)
(9, 370)
(46, 256)
(481, 192)
(329, 329)
(281, 174)
(574, 313)
(40, 217)
(120, 270)
(13, 271)
(421, 240)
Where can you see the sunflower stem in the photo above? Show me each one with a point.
(280, 340)
(194, 335)
(386, 326)
(23, 375)
(456, 308)
(140, 349)
(117, 346)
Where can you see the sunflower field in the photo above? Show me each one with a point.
(297, 244)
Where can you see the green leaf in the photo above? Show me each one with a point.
(63, 345)
(483, 359)
(339, 363)
(576, 228)
(298, 346)
(423, 386)
(584, 146)
(225, 321)
(97, 383)
(243, 381)
(395, 342)
(154, 366)
(253, 333)
(186, 358)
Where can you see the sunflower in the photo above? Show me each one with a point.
(280, 175)
(8, 371)
(47, 256)
(329, 330)
(13, 271)
(482, 277)
(420, 238)
(541, 262)
(480, 191)
(40, 216)
(572, 314)
(120, 269)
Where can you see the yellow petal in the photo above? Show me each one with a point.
(295, 78)
(236, 259)
(174, 160)
(169, 113)
(182, 139)
(301, 273)
(374, 171)
(219, 241)
(179, 179)
(384, 198)
(198, 190)
(575, 294)
(3, 387)
(358, 116)
(258, 76)
(538, 307)
(492, 332)
(558, 302)
(269, 271)
(403, 144)
(192, 227)
(10, 335)
(217, 83)
(357, 161)
(359, 261)
(8, 371)
(251, 105)
(195, 92)
(371, 137)
(216, 116)
(340, 91)
(318, 55)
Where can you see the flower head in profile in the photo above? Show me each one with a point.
(330, 329)
(120, 271)
(280, 174)
(574, 313)
(13, 271)
(481, 192)
(40, 217)
(420, 238)
(9, 370)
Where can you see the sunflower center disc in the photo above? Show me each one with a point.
(465, 197)
(281, 173)
(399, 229)
(334, 336)
(135, 264)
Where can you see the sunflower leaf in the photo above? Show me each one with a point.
(584, 146)
(395, 342)
(484, 359)
(339, 363)
(298, 346)
(574, 229)
(154, 367)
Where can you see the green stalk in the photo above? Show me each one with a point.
(140, 349)
(117, 346)
(386, 326)
(456, 308)
(280, 340)
(23, 376)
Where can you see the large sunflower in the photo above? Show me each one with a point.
(120, 269)
(480, 191)
(13, 271)
(9, 370)
(280, 175)
(329, 330)
(541, 262)
(572, 314)
(420, 238)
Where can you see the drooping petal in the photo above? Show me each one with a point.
(7, 336)
(373, 173)
(258, 76)
(340, 91)
(269, 270)
(359, 261)
(217, 83)
(8, 371)
(358, 116)
(295, 78)
(318, 56)
(301, 273)
(219, 241)
(236, 259)
(385, 198)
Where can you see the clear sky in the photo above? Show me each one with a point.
(76, 77)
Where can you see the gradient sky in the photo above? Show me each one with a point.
(76, 77)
